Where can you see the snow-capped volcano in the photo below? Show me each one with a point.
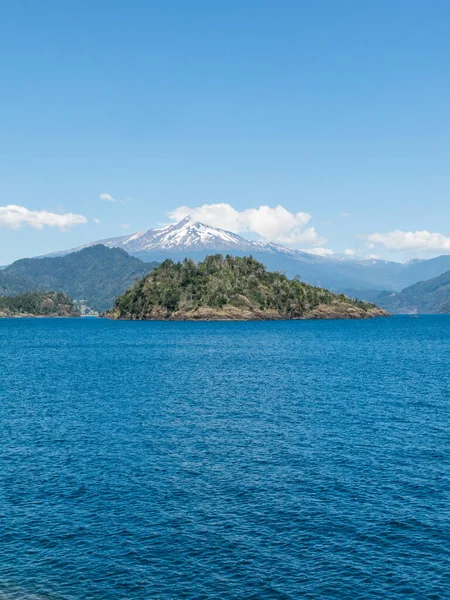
(190, 235)
(192, 238)
(187, 235)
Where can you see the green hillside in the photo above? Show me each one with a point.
(230, 288)
(96, 275)
(425, 297)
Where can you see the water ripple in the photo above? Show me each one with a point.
(224, 460)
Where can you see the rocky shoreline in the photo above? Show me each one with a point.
(4, 315)
(231, 313)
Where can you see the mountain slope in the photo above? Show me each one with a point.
(96, 275)
(425, 297)
(228, 288)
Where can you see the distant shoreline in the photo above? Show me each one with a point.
(2, 316)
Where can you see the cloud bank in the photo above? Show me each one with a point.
(14, 217)
(271, 224)
(398, 240)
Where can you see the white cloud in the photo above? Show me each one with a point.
(125, 226)
(96, 220)
(409, 240)
(349, 252)
(272, 224)
(107, 197)
(319, 251)
(345, 214)
(13, 217)
(110, 198)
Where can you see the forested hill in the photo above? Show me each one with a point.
(96, 275)
(38, 304)
(425, 297)
(235, 288)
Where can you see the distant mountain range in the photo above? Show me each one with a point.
(359, 278)
(96, 275)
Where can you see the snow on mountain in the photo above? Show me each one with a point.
(190, 235)
(187, 235)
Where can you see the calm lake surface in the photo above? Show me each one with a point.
(225, 460)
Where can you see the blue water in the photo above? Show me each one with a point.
(225, 460)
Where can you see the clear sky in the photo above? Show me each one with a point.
(339, 110)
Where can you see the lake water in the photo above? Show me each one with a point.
(268, 460)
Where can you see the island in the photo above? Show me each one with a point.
(38, 304)
(228, 288)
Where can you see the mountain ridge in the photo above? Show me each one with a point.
(424, 297)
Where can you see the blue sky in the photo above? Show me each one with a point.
(336, 110)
